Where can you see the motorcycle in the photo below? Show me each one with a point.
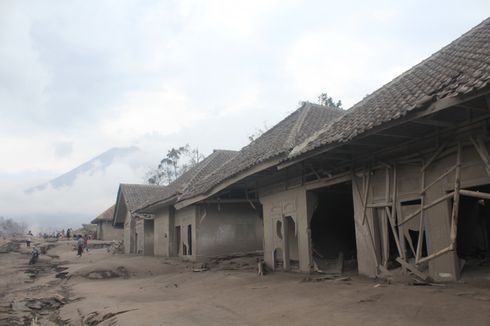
(34, 256)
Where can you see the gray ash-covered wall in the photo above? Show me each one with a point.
(224, 229)
(106, 231)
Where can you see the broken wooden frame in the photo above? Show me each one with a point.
(393, 217)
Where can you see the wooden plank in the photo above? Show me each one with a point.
(482, 151)
(366, 192)
(435, 202)
(420, 239)
(412, 269)
(380, 205)
(475, 194)
(424, 189)
(457, 186)
(436, 254)
(392, 225)
(373, 246)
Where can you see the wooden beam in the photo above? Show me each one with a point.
(364, 201)
(475, 194)
(384, 134)
(481, 149)
(326, 182)
(437, 179)
(434, 123)
(412, 269)
(435, 202)
(456, 197)
(434, 156)
(436, 254)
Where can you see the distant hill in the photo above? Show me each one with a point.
(98, 163)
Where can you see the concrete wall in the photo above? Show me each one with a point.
(228, 228)
(106, 231)
(128, 234)
(184, 218)
(162, 233)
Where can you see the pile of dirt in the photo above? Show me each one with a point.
(118, 272)
(10, 246)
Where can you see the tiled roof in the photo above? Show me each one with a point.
(461, 67)
(276, 142)
(105, 216)
(137, 194)
(194, 175)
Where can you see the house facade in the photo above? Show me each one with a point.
(105, 228)
(400, 181)
(206, 229)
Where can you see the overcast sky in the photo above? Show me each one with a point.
(80, 77)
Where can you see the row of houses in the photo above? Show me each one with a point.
(399, 180)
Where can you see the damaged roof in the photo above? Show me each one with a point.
(274, 143)
(194, 175)
(105, 216)
(461, 67)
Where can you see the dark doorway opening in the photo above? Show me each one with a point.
(189, 240)
(333, 230)
(148, 229)
(291, 242)
(177, 242)
(473, 237)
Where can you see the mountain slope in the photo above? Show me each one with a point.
(98, 163)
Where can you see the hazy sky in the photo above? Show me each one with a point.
(80, 77)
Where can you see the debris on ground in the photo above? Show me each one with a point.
(337, 278)
(200, 268)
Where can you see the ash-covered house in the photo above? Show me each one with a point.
(105, 228)
(208, 228)
(242, 177)
(138, 228)
(401, 180)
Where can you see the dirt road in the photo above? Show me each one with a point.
(104, 289)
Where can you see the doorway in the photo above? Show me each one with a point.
(333, 233)
(473, 236)
(148, 229)
(189, 240)
(177, 242)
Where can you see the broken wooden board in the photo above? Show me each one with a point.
(412, 269)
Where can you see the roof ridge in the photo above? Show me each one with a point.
(290, 141)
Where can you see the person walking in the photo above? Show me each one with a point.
(29, 239)
(80, 244)
(85, 242)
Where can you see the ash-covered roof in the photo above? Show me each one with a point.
(137, 194)
(461, 67)
(274, 143)
(194, 175)
(105, 216)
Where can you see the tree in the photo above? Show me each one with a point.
(177, 161)
(258, 132)
(9, 227)
(324, 99)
